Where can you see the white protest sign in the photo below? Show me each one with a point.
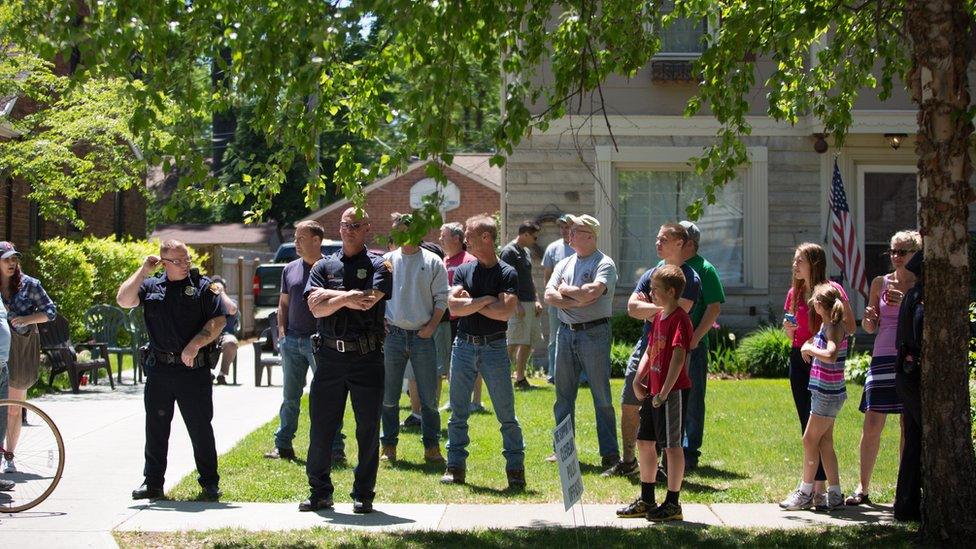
(564, 441)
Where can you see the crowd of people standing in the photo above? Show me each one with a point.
(459, 310)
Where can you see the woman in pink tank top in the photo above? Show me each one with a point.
(881, 318)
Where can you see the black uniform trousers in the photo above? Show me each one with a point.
(193, 391)
(337, 375)
(908, 493)
(799, 381)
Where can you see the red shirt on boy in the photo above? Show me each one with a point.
(669, 332)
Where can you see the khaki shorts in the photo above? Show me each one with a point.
(525, 330)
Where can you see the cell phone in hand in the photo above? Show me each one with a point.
(790, 317)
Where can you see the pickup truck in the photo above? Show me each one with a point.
(267, 280)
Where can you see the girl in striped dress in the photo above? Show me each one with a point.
(827, 396)
(881, 317)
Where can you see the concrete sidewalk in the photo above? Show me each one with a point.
(171, 516)
(104, 433)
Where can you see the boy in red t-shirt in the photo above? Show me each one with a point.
(664, 368)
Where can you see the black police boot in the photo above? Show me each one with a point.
(147, 492)
(315, 503)
(210, 492)
(362, 506)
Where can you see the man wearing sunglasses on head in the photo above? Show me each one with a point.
(347, 292)
(184, 315)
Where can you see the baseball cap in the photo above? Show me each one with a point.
(587, 221)
(7, 250)
(694, 233)
(565, 218)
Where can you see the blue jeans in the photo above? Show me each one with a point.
(586, 351)
(553, 330)
(4, 393)
(297, 357)
(403, 345)
(442, 343)
(695, 417)
(491, 360)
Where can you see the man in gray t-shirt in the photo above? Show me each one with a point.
(523, 327)
(582, 287)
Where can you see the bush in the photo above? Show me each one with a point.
(725, 360)
(856, 368)
(765, 353)
(619, 356)
(625, 329)
(80, 273)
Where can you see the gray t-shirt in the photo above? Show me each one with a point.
(576, 271)
(555, 252)
(4, 334)
(294, 278)
(518, 257)
(419, 287)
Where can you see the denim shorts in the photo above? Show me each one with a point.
(826, 405)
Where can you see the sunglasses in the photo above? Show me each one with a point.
(350, 226)
(899, 253)
(178, 262)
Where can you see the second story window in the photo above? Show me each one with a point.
(684, 38)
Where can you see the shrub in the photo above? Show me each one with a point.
(725, 360)
(80, 273)
(765, 353)
(619, 356)
(856, 368)
(625, 329)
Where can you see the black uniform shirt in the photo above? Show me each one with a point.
(479, 281)
(363, 271)
(176, 310)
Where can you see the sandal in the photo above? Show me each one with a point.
(858, 498)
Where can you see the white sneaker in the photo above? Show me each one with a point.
(796, 501)
(829, 502)
(10, 467)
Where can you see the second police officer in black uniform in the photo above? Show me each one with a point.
(346, 293)
(183, 317)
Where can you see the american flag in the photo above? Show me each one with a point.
(847, 255)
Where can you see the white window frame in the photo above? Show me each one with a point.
(755, 215)
(710, 29)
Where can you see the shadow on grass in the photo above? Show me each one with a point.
(675, 534)
(707, 471)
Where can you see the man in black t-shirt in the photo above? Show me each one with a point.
(484, 295)
(523, 328)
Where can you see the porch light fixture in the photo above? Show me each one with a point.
(820, 143)
(895, 139)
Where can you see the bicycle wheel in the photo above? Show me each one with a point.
(38, 457)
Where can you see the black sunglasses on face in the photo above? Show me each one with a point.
(350, 226)
(899, 253)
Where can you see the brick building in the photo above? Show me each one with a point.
(473, 187)
(119, 213)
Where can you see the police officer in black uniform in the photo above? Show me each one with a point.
(346, 293)
(183, 317)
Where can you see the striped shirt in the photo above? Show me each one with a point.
(827, 378)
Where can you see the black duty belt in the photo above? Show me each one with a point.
(362, 345)
(164, 357)
(480, 339)
(586, 325)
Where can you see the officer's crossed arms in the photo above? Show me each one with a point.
(501, 308)
(323, 302)
(177, 266)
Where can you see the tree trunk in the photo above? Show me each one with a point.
(939, 31)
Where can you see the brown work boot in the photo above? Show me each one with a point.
(388, 453)
(433, 455)
(453, 475)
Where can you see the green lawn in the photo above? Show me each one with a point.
(751, 454)
(887, 535)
